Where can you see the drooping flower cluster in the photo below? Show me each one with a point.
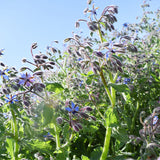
(75, 114)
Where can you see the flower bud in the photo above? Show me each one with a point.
(37, 56)
(39, 73)
(2, 64)
(26, 103)
(99, 54)
(42, 85)
(59, 120)
(93, 118)
(23, 69)
(44, 57)
(83, 115)
(34, 45)
(24, 60)
(52, 63)
(4, 90)
(15, 87)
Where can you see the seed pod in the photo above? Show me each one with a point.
(59, 120)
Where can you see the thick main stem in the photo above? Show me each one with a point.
(106, 143)
(134, 118)
(15, 129)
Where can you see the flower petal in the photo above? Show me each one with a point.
(72, 105)
(68, 109)
(76, 109)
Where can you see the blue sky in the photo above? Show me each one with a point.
(43, 21)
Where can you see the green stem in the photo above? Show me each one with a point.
(106, 88)
(57, 137)
(106, 143)
(134, 118)
(15, 129)
(69, 141)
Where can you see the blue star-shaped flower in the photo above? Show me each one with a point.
(126, 80)
(11, 99)
(73, 109)
(4, 74)
(26, 79)
(155, 120)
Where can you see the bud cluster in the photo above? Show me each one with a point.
(75, 114)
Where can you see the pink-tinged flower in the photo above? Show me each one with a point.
(11, 99)
(26, 79)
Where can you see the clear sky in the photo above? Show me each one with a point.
(43, 21)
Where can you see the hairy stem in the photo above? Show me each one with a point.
(106, 143)
(57, 137)
(15, 129)
(134, 118)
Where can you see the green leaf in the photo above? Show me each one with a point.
(47, 114)
(111, 119)
(84, 157)
(10, 147)
(96, 153)
(54, 87)
(119, 87)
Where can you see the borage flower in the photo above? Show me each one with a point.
(26, 79)
(4, 74)
(73, 108)
(11, 99)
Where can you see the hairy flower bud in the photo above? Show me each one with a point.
(59, 120)
(93, 118)
(37, 56)
(24, 60)
(52, 63)
(39, 73)
(2, 64)
(5, 91)
(26, 103)
(99, 54)
(34, 45)
(83, 115)
(44, 57)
